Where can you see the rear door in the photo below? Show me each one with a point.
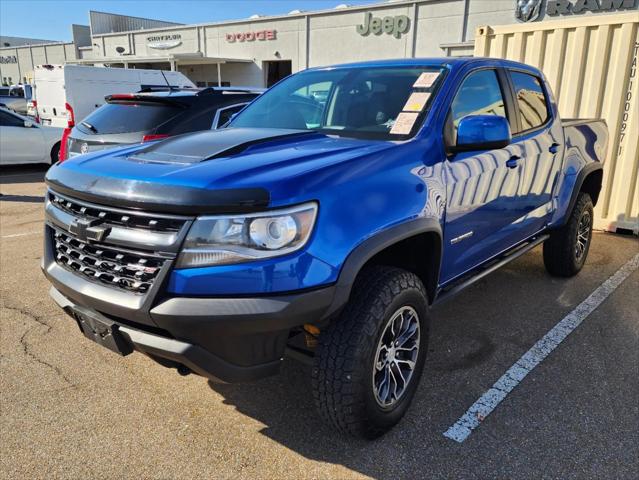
(482, 186)
(51, 96)
(540, 139)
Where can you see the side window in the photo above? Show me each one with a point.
(480, 94)
(226, 114)
(8, 120)
(533, 105)
(310, 101)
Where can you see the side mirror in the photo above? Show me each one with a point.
(28, 124)
(482, 132)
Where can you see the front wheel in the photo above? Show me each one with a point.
(566, 250)
(370, 359)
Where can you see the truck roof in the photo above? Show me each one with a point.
(455, 62)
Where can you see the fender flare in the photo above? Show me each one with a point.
(581, 177)
(372, 246)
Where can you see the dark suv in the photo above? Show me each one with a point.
(154, 114)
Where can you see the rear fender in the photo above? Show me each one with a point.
(586, 145)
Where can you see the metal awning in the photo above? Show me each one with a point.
(174, 59)
(195, 58)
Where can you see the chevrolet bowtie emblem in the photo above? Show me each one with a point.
(85, 229)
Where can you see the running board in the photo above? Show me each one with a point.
(450, 292)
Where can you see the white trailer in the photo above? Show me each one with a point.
(66, 94)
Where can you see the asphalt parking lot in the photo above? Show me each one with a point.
(71, 409)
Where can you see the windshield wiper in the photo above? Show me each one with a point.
(90, 127)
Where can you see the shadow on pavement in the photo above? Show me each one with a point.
(21, 198)
(284, 404)
(14, 174)
(474, 339)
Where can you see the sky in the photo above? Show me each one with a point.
(52, 19)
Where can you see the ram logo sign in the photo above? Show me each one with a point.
(530, 10)
(527, 10)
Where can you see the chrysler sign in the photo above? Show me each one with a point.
(530, 10)
(164, 42)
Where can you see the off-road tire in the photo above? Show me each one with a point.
(560, 250)
(342, 371)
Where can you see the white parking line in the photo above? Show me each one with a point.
(21, 234)
(533, 357)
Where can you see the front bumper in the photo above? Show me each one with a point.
(224, 339)
(231, 338)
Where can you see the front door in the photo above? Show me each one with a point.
(482, 186)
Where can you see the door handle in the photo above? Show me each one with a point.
(554, 148)
(513, 161)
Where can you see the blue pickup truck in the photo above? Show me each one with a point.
(322, 224)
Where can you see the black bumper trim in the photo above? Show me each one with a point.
(241, 316)
(224, 339)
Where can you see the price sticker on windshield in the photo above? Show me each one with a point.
(404, 123)
(426, 80)
(416, 102)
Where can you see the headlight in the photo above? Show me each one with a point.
(226, 239)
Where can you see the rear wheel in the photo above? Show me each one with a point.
(369, 360)
(566, 250)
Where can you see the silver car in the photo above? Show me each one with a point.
(15, 98)
(23, 141)
(153, 115)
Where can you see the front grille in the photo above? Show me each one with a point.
(132, 271)
(120, 248)
(112, 217)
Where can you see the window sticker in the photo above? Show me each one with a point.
(416, 102)
(404, 123)
(426, 80)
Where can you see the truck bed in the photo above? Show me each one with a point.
(570, 122)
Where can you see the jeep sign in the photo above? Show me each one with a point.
(394, 26)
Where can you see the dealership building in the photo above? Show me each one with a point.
(588, 50)
(260, 50)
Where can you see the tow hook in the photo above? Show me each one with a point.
(311, 333)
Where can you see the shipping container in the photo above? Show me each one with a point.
(591, 64)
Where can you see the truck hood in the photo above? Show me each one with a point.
(229, 170)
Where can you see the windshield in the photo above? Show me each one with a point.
(379, 102)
